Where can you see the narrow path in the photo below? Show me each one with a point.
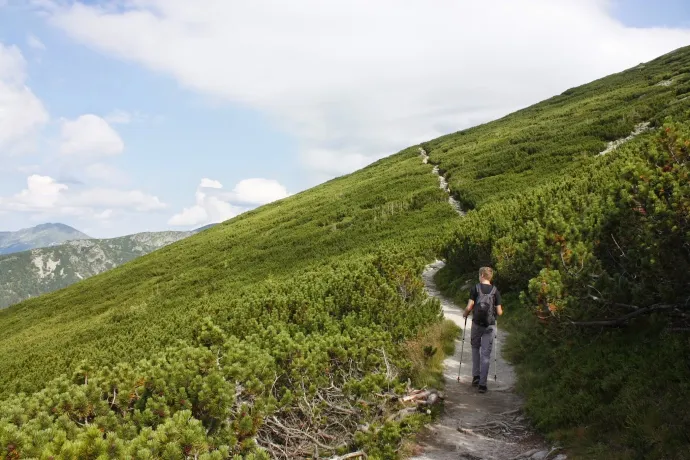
(639, 129)
(443, 184)
(478, 426)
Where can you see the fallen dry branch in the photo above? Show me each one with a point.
(319, 424)
(358, 454)
(509, 426)
(618, 322)
(423, 397)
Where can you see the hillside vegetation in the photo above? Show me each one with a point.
(39, 271)
(288, 329)
(601, 258)
(312, 297)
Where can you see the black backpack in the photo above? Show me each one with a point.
(484, 308)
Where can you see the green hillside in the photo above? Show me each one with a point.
(281, 328)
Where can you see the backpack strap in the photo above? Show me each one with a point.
(480, 293)
(493, 290)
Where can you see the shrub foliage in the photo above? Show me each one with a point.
(290, 330)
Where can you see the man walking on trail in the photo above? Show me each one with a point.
(485, 301)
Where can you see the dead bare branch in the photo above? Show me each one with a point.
(618, 322)
(358, 454)
(618, 246)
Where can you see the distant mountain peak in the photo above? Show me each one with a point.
(39, 270)
(42, 235)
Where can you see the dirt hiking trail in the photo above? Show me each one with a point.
(477, 426)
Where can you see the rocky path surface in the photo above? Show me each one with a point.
(477, 426)
(639, 129)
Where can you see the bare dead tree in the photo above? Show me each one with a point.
(621, 321)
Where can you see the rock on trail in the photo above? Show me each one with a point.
(478, 426)
(613, 145)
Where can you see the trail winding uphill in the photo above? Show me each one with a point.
(478, 426)
(442, 183)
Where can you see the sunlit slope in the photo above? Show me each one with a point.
(130, 312)
(534, 145)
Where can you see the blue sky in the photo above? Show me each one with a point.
(657, 13)
(171, 114)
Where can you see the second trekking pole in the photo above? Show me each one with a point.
(496, 351)
(462, 348)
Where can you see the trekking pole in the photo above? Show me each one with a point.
(495, 353)
(462, 348)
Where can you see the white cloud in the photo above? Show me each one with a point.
(21, 112)
(191, 216)
(210, 183)
(354, 80)
(209, 207)
(104, 216)
(213, 205)
(123, 117)
(42, 193)
(34, 42)
(127, 199)
(257, 191)
(89, 136)
(45, 196)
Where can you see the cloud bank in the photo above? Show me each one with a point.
(89, 135)
(354, 80)
(212, 205)
(47, 197)
(22, 114)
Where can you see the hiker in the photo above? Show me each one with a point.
(485, 301)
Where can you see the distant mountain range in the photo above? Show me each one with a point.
(40, 236)
(41, 270)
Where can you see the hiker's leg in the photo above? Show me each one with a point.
(487, 341)
(476, 342)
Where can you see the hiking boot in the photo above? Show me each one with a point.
(482, 388)
(475, 380)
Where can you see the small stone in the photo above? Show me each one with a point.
(527, 454)
(560, 457)
(541, 455)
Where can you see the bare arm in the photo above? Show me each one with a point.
(499, 310)
(468, 309)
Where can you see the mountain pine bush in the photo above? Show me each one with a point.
(290, 330)
(603, 262)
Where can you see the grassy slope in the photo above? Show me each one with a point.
(128, 313)
(393, 202)
(533, 146)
